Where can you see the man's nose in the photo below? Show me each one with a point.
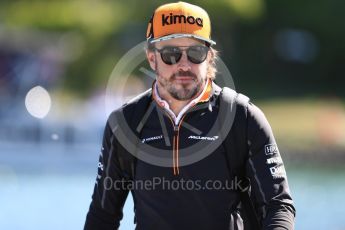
(184, 63)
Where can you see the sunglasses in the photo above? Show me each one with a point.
(172, 54)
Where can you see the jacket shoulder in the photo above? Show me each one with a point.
(132, 111)
(142, 97)
(230, 96)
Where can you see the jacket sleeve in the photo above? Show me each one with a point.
(266, 171)
(109, 196)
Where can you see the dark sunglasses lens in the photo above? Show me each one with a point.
(197, 54)
(171, 55)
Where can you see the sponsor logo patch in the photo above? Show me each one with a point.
(174, 19)
(271, 149)
(145, 140)
(203, 138)
(100, 166)
(274, 160)
(278, 171)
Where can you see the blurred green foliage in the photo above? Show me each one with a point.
(246, 32)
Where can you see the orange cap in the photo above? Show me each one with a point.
(181, 19)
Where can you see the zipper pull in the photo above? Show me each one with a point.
(175, 129)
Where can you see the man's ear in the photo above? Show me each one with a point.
(151, 58)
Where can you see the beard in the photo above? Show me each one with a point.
(181, 91)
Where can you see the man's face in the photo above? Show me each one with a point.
(182, 80)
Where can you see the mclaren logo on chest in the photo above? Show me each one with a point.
(174, 19)
(203, 138)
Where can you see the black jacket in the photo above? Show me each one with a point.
(173, 194)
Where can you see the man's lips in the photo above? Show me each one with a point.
(183, 79)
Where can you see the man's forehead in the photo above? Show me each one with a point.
(179, 42)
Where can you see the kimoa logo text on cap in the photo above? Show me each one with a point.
(174, 19)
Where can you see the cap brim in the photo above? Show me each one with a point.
(171, 36)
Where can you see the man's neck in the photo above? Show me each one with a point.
(176, 105)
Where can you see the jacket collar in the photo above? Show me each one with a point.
(203, 97)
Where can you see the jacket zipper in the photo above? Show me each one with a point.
(175, 150)
(176, 145)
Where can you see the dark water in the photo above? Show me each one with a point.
(49, 187)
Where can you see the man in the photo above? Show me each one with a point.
(186, 105)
